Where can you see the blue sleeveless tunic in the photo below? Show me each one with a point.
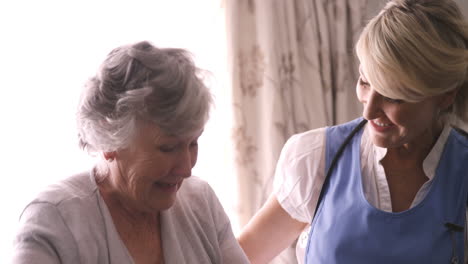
(347, 229)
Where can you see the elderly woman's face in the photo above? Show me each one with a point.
(396, 123)
(152, 170)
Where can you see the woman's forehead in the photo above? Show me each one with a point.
(385, 83)
(155, 133)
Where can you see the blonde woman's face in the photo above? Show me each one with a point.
(397, 123)
(151, 172)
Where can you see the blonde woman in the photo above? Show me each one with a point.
(392, 186)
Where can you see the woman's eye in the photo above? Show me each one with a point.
(363, 83)
(194, 144)
(167, 148)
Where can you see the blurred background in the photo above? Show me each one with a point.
(277, 68)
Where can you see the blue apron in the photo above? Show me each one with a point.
(347, 229)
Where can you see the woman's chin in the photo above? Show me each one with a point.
(161, 204)
(381, 141)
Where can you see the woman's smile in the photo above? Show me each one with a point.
(380, 126)
(168, 187)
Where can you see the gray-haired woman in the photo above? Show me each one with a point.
(142, 114)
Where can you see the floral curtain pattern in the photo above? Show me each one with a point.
(293, 68)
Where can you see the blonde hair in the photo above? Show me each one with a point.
(415, 49)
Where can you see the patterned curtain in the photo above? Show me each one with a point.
(293, 68)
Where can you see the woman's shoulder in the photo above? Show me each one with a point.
(72, 196)
(198, 214)
(78, 186)
(65, 201)
(196, 188)
(198, 196)
(461, 135)
(197, 206)
(303, 144)
(66, 216)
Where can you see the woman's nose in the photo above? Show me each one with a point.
(184, 163)
(371, 102)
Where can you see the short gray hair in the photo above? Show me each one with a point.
(141, 82)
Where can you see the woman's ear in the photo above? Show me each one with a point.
(447, 99)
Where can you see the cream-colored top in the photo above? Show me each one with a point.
(70, 223)
(300, 174)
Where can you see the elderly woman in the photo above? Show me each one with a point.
(142, 113)
(390, 187)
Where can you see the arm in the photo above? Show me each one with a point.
(42, 236)
(299, 171)
(269, 232)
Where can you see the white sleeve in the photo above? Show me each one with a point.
(300, 174)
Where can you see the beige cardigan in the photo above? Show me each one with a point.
(70, 223)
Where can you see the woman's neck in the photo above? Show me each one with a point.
(139, 231)
(122, 207)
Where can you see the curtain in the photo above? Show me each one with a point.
(292, 68)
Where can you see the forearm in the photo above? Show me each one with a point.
(269, 232)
